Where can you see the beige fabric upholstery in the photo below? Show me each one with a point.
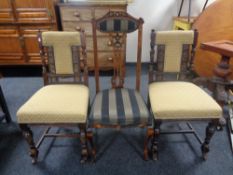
(56, 104)
(173, 41)
(181, 100)
(62, 42)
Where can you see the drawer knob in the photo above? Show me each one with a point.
(109, 43)
(78, 28)
(110, 59)
(77, 14)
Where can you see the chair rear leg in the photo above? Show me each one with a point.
(210, 130)
(28, 135)
(84, 152)
(4, 107)
(90, 140)
(149, 135)
(154, 146)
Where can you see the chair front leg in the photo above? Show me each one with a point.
(210, 130)
(149, 135)
(154, 146)
(84, 152)
(93, 148)
(28, 135)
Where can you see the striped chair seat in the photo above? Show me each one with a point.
(119, 107)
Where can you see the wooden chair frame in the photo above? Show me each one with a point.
(50, 77)
(156, 74)
(118, 72)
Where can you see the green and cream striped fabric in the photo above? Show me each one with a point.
(119, 107)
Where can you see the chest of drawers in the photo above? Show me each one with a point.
(79, 15)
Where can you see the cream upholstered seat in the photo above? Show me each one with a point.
(181, 100)
(65, 98)
(56, 104)
(178, 100)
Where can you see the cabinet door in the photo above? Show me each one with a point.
(29, 34)
(6, 13)
(11, 44)
(34, 11)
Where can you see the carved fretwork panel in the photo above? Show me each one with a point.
(118, 40)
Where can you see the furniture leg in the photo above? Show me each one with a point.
(84, 152)
(28, 135)
(154, 146)
(90, 140)
(149, 135)
(210, 129)
(4, 107)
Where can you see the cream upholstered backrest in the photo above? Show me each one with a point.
(61, 43)
(173, 41)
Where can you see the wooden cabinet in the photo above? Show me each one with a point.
(20, 21)
(79, 15)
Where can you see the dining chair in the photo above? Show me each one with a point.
(64, 100)
(172, 96)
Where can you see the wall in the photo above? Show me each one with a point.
(157, 14)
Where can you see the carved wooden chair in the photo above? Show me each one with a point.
(64, 100)
(118, 107)
(178, 100)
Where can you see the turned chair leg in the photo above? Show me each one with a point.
(155, 141)
(84, 152)
(93, 148)
(28, 135)
(149, 135)
(4, 107)
(210, 130)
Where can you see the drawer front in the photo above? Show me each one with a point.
(75, 14)
(105, 60)
(103, 43)
(100, 12)
(74, 26)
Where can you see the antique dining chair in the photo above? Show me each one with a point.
(64, 100)
(179, 100)
(118, 107)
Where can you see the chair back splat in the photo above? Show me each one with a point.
(173, 54)
(117, 25)
(72, 69)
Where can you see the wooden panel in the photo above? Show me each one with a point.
(215, 23)
(33, 15)
(10, 45)
(75, 14)
(6, 14)
(34, 11)
(29, 34)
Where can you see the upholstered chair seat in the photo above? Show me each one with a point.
(56, 104)
(119, 106)
(181, 100)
